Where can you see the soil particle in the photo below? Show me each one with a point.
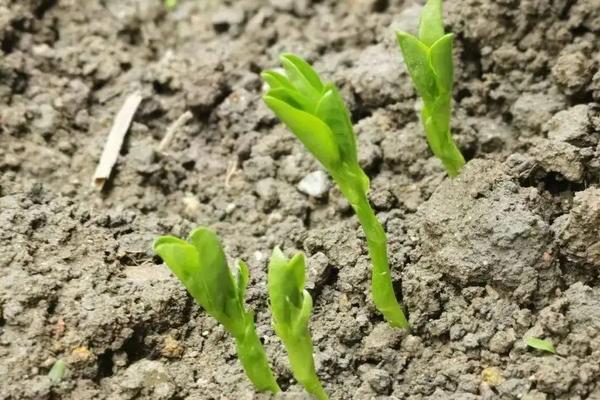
(578, 232)
(463, 211)
(558, 157)
(574, 126)
(573, 72)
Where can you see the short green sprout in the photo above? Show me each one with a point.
(291, 306)
(540, 344)
(170, 4)
(429, 62)
(316, 114)
(201, 266)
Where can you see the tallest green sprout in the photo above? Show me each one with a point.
(429, 62)
(316, 114)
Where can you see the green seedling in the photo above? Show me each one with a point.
(170, 4)
(540, 344)
(291, 306)
(57, 372)
(429, 62)
(316, 114)
(201, 266)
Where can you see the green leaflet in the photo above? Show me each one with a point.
(183, 260)
(540, 344)
(416, 57)
(312, 132)
(332, 111)
(306, 72)
(57, 372)
(201, 265)
(292, 307)
(431, 25)
(441, 63)
(276, 80)
(286, 281)
(302, 77)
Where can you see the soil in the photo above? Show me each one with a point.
(510, 249)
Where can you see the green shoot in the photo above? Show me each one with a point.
(429, 62)
(292, 306)
(57, 372)
(540, 344)
(170, 4)
(201, 266)
(316, 114)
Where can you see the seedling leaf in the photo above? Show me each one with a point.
(429, 62)
(416, 57)
(332, 111)
(57, 372)
(292, 307)
(431, 26)
(540, 344)
(441, 62)
(312, 132)
(201, 265)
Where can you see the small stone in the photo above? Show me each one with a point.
(573, 126)
(573, 73)
(470, 341)
(502, 341)
(266, 189)
(379, 380)
(319, 270)
(492, 376)
(80, 354)
(559, 157)
(48, 118)
(191, 205)
(532, 111)
(171, 348)
(315, 184)
(226, 18)
(383, 337)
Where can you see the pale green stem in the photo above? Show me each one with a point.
(253, 358)
(382, 288)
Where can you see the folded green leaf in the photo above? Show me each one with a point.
(332, 110)
(201, 265)
(302, 77)
(312, 132)
(292, 307)
(442, 64)
(431, 26)
(276, 80)
(416, 57)
(540, 344)
(57, 372)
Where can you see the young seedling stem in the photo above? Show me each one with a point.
(316, 114)
(428, 58)
(292, 307)
(201, 266)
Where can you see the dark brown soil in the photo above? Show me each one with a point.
(510, 249)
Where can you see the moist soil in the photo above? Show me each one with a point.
(508, 250)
